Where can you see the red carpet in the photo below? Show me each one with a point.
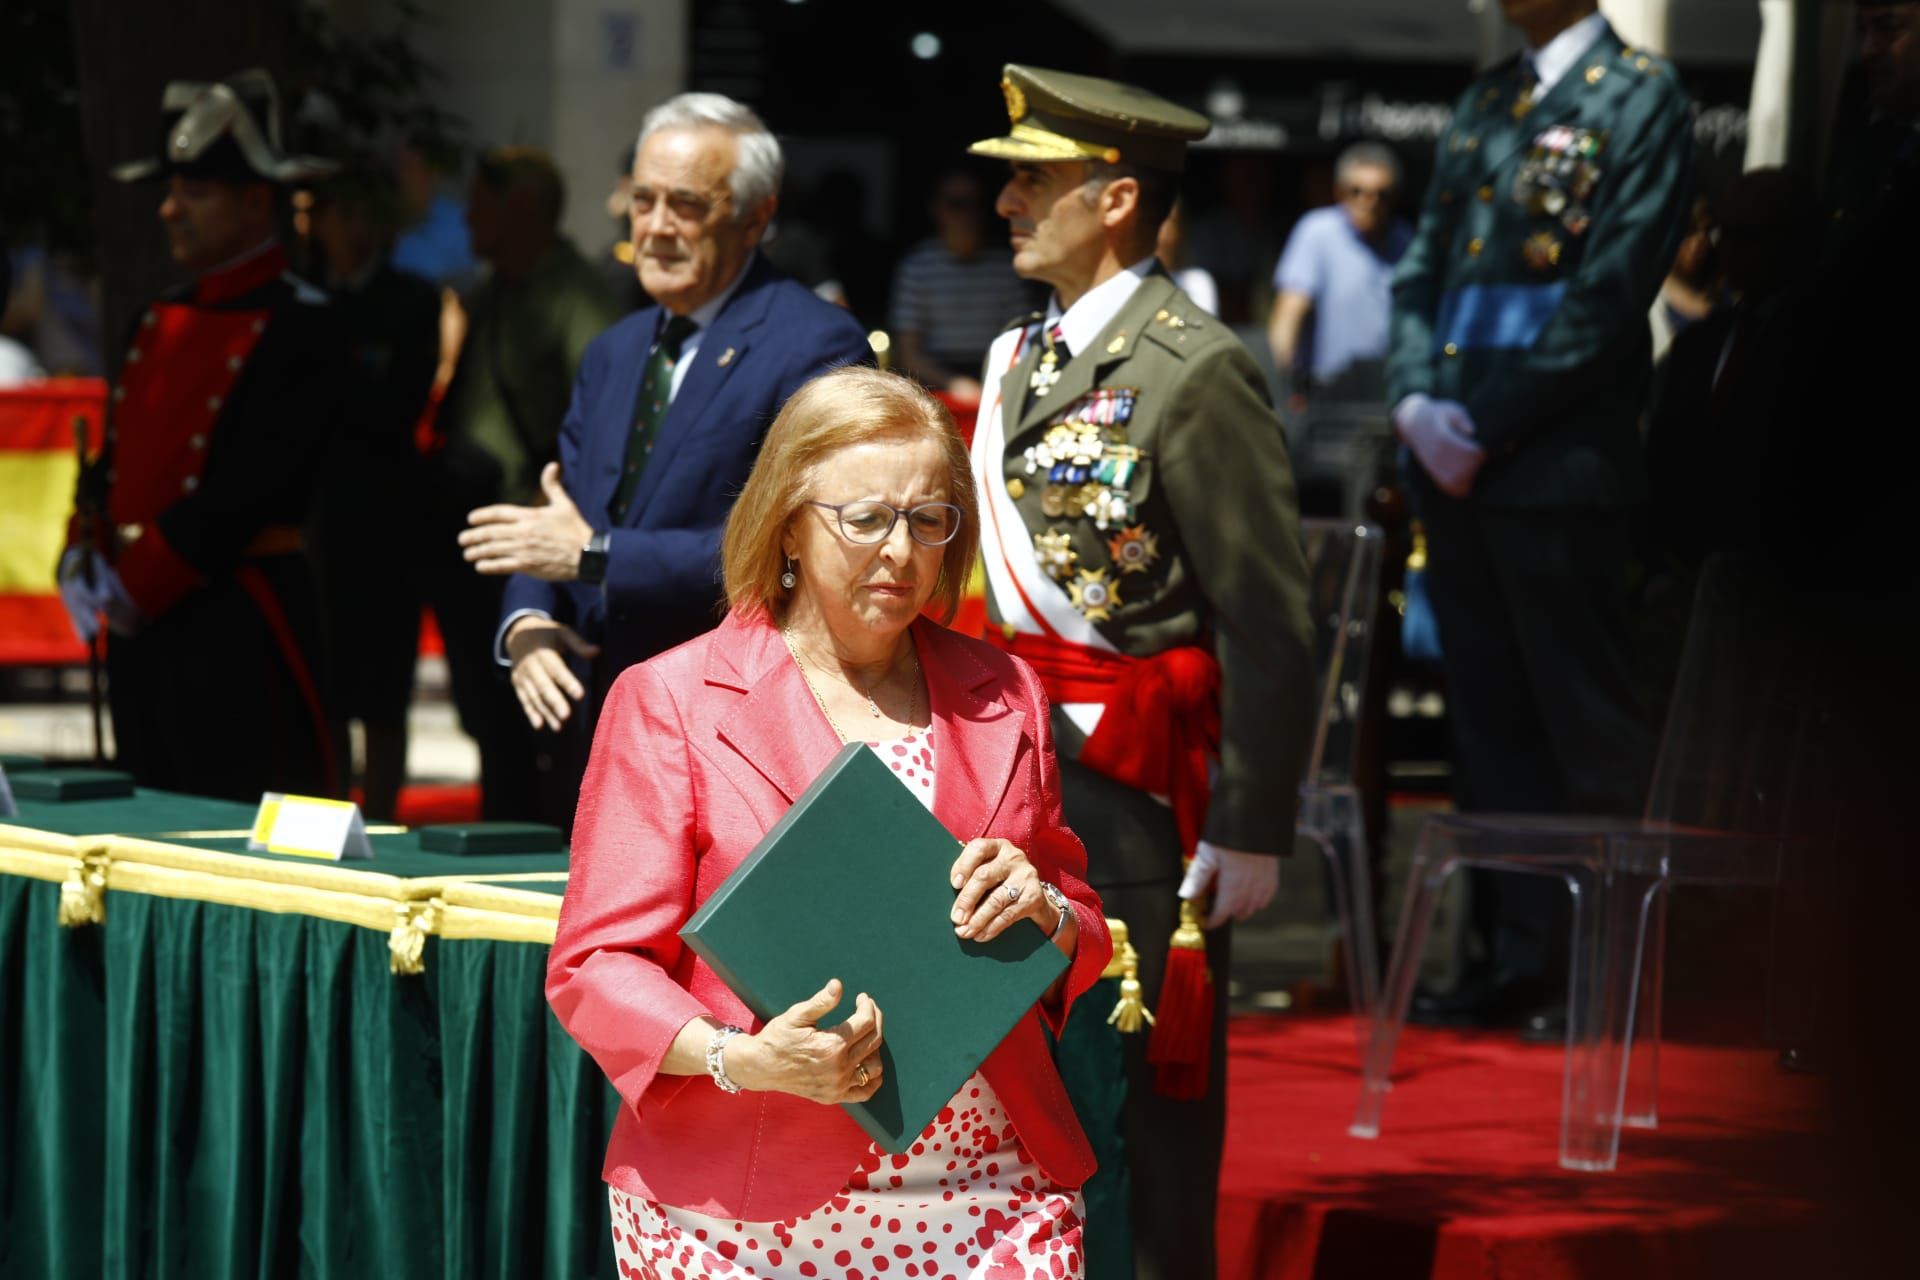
(424, 804)
(1463, 1183)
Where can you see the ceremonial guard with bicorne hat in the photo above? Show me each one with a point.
(188, 534)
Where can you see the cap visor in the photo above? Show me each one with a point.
(1019, 149)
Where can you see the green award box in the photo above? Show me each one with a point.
(472, 838)
(64, 785)
(852, 884)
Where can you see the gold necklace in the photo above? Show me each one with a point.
(806, 676)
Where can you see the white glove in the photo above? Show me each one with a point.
(82, 602)
(1440, 433)
(1241, 883)
(123, 615)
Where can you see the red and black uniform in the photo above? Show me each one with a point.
(220, 424)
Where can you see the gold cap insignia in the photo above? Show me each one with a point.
(1016, 100)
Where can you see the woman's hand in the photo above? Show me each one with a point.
(997, 886)
(793, 1054)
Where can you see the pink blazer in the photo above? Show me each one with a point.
(698, 753)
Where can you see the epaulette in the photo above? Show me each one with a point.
(1651, 64)
(1021, 322)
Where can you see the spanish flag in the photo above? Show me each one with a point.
(38, 470)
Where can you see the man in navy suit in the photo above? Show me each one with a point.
(668, 411)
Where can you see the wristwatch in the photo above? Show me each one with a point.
(1058, 901)
(593, 560)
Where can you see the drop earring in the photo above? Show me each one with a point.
(789, 579)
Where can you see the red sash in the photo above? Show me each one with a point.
(1161, 727)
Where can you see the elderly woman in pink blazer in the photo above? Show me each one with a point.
(730, 1156)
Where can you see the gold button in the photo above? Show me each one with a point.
(1450, 349)
(213, 402)
(190, 484)
(196, 441)
(133, 356)
(1643, 62)
(1016, 488)
(119, 394)
(1486, 194)
(1594, 74)
(1474, 246)
(150, 320)
(1160, 314)
(233, 363)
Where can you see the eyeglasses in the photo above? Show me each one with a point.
(688, 208)
(932, 524)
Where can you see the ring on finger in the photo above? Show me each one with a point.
(1013, 893)
(861, 1068)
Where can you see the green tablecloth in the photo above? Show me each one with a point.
(212, 1070)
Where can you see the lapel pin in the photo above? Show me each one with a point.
(726, 358)
(1118, 344)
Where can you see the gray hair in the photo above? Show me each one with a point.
(1368, 155)
(756, 173)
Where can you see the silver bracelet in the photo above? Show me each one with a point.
(1058, 901)
(716, 1046)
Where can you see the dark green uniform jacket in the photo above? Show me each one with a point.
(1545, 234)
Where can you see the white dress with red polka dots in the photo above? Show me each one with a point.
(966, 1202)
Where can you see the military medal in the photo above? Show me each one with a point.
(1134, 549)
(1094, 594)
(1053, 552)
(1047, 372)
(1541, 251)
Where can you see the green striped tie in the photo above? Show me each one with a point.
(656, 393)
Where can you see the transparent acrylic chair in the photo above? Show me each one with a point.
(1343, 577)
(1722, 810)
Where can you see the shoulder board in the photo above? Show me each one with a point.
(1643, 62)
(303, 292)
(1021, 322)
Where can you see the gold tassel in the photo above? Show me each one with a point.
(407, 944)
(83, 894)
(1130, 1013)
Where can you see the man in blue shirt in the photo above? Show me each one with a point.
(1338, 270)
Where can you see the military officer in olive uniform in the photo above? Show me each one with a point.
(1519, 366)
(1142, 551)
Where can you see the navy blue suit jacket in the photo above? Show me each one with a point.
(663, 564)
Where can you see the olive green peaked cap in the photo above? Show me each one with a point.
(1060, 116)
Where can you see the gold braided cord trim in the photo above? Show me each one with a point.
(495, 926)
(31, 840)
(1034, 135)
(327, 877)
(503, 900)
(31, 864)
(407, 940)
(160, 881)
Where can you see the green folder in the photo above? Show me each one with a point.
(852, 884)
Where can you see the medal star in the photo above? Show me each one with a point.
(1094, 594)
(1134, 549)
(1053, 552)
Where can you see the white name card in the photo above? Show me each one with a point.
(310, 827)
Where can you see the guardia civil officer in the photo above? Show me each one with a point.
(189, 534)
(1142, 551)
(1519, 367)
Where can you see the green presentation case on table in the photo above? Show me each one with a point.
(852, 884)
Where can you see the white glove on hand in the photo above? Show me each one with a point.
(1440, 433)
(83, 604)
(123, 615)
(1241, 883)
